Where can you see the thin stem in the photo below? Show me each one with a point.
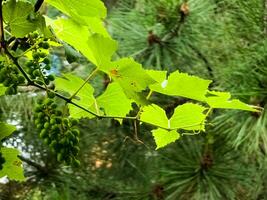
(85, 82)
(32, 47)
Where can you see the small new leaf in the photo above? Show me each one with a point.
(163, 137)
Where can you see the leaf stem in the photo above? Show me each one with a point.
(85, 82)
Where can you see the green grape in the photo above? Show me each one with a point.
(45, 45)
(42, 54)
(46, 61)
(35, 55)
(47, 67)
(50, 77)
(51, 95)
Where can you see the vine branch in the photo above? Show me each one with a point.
(38, 5)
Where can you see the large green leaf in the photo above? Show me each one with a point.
(183, 85)
(114, 102)
(188, 116)
(13, 166)
(163, 137)
(223, 100)
(20, 17)
(6, 130)
(81, 10)
(70, 84)
(96, 47)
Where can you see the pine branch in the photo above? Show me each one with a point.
(202, 57)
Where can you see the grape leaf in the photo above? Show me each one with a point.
(12, 168)
(20, 16)
(223, 100)
(163, 137)
(80, 10)
(95, 47)
(6, 130)
(130, 75)
(188, 116)
(183, 85)
(114, 101)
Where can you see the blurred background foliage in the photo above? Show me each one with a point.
(222, 40)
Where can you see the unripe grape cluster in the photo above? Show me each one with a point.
(57, 131)
(10, 77)
(2, 161)
(38, 66)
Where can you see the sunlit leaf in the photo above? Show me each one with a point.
(163, 137)
(6, 130)
(114, 102)
(183, 85)
(13, 166)
(188, 116)
(223, 100)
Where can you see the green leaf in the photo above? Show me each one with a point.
(223, 100)
(160, 77)
(101, 50)
(188, 116)
(95, 47)
(20, 16)
(13, 166)
(163, 137)
(70, 84)
(183, 85)
(130, 75)
(6, 130)
(114, 101)
(80, 10)
(2, 90)
(155, 115)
